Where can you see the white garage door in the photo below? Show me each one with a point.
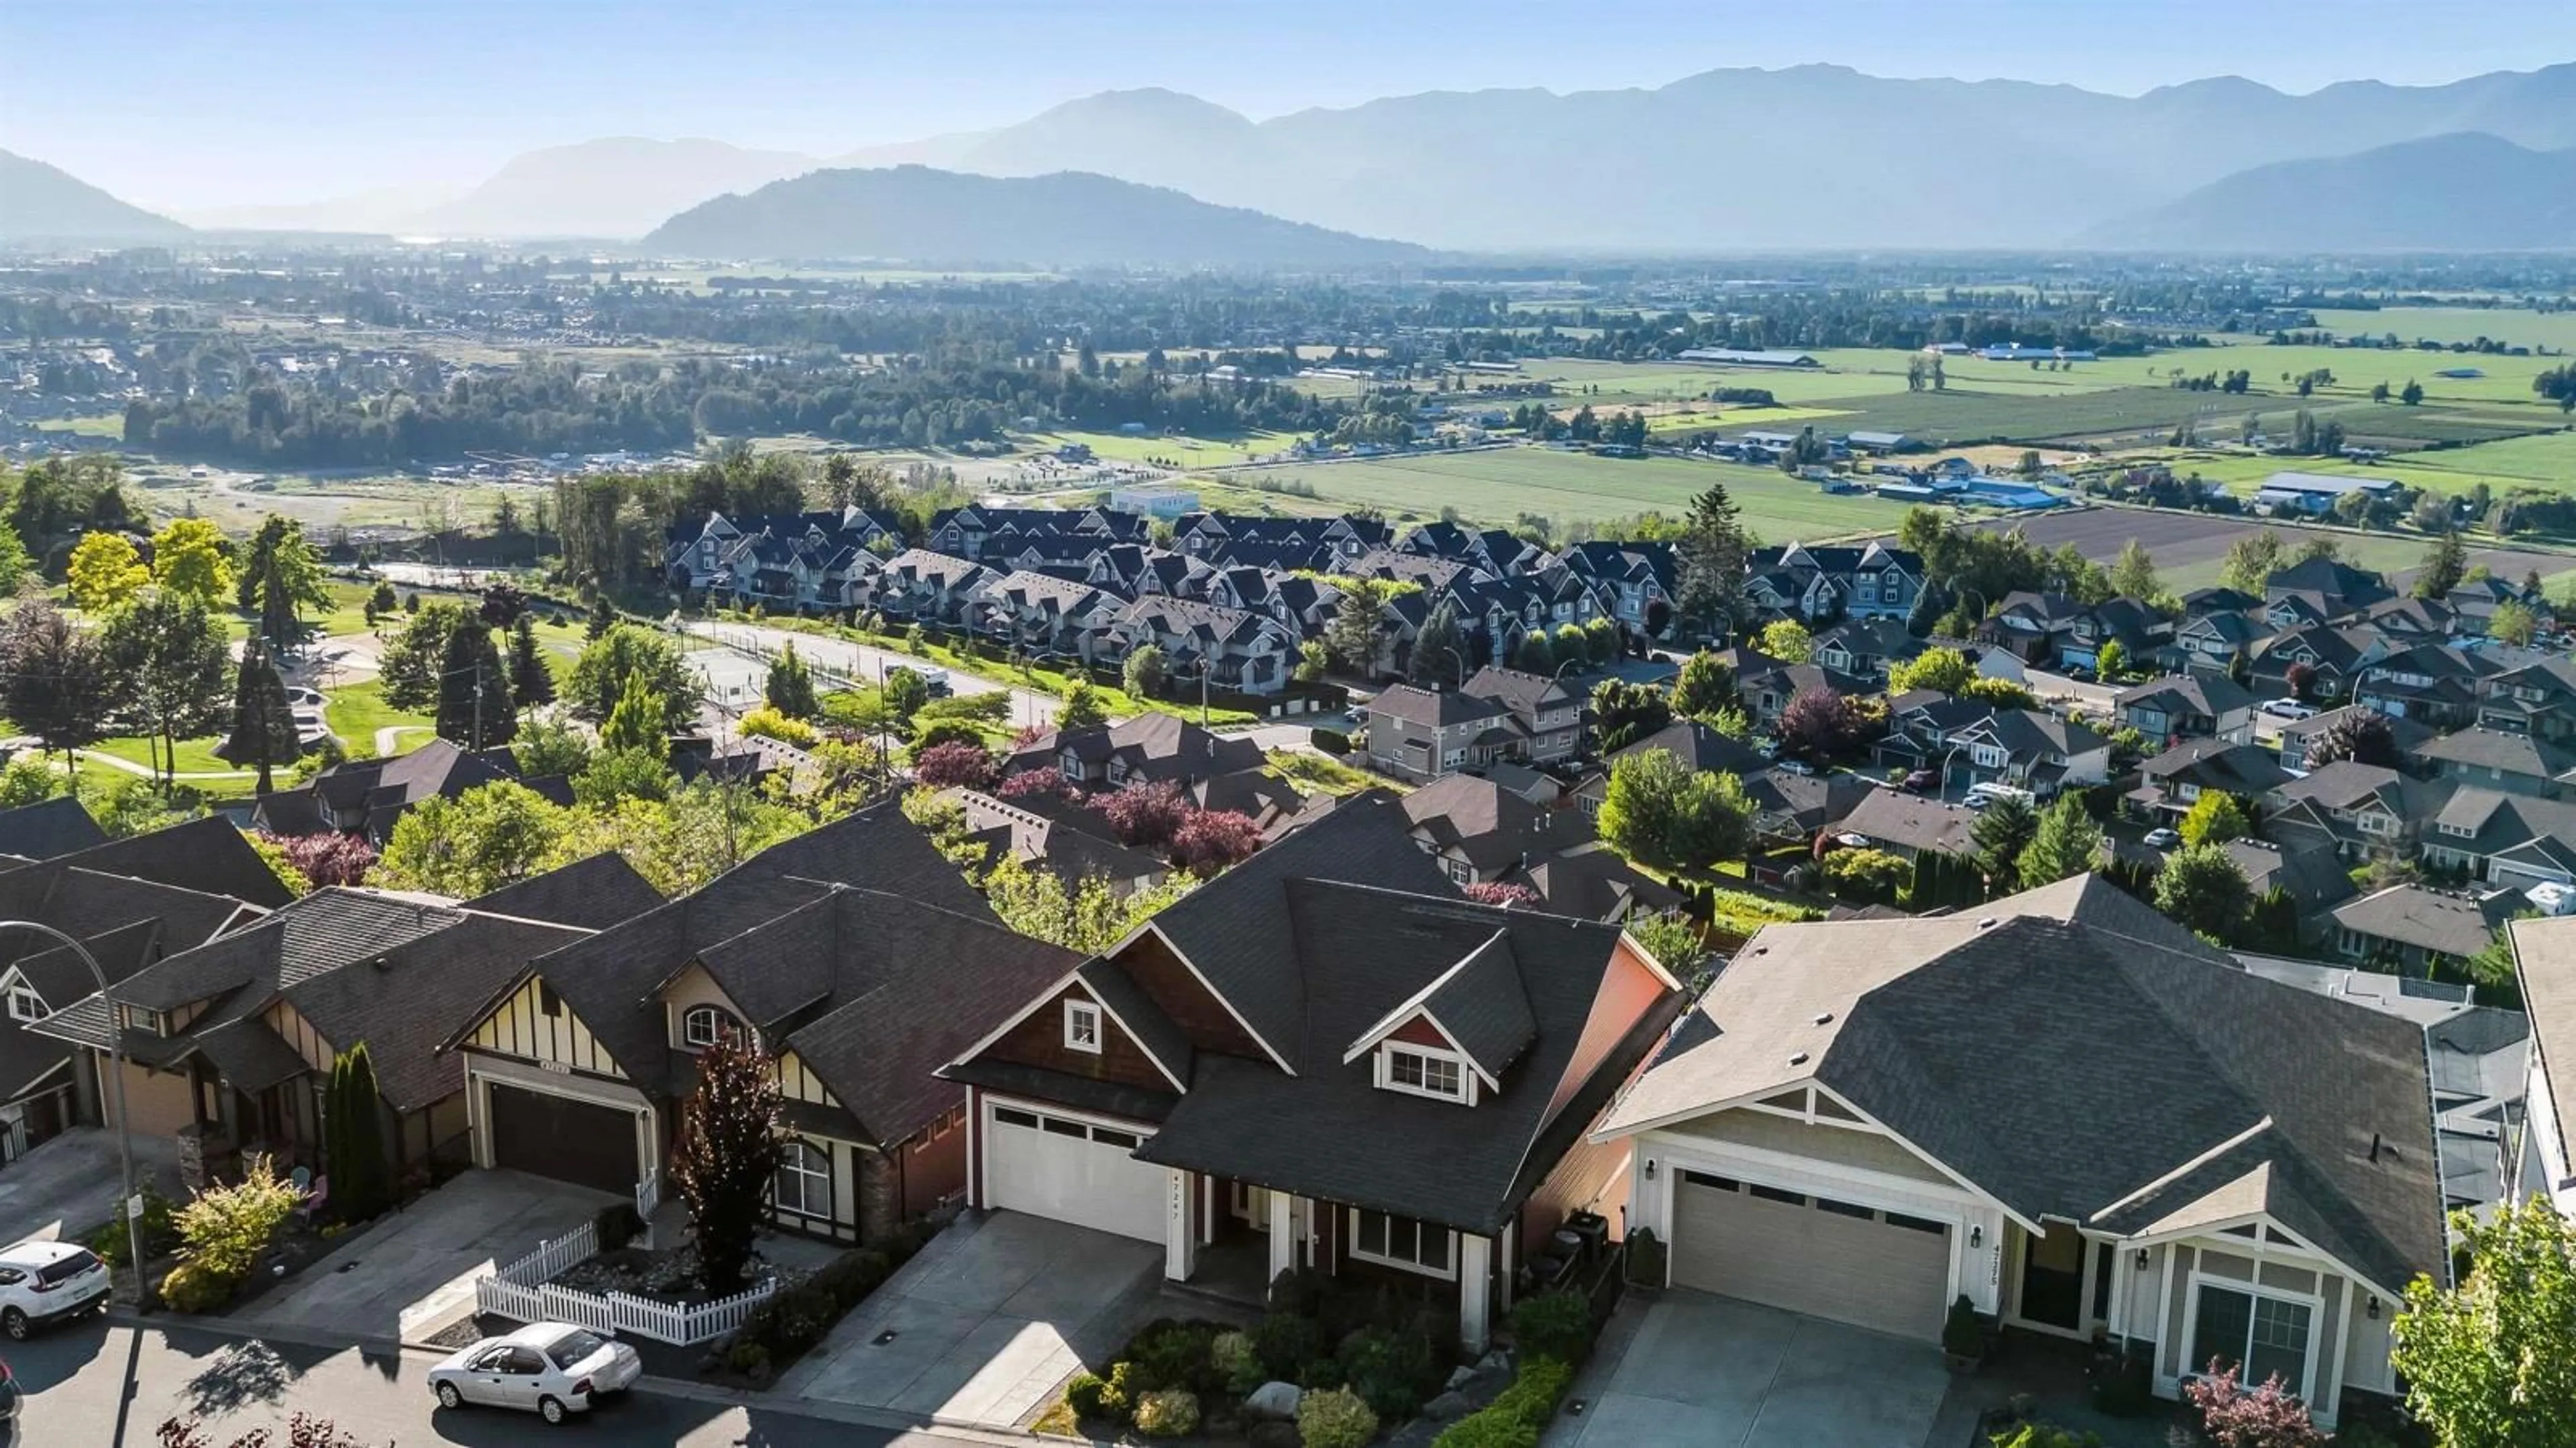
(1817, 1255)
(1071, 1171)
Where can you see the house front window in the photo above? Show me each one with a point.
(1460, 871)
(803, 1186)
(703, 1026)
(1082, 1027)
(24, 1003)
(2264, 1333)
(1423, 1072)
(1402, 1242)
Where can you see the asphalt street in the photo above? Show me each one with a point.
(106, 1385)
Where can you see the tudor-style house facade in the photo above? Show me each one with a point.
(1324, 1059)
(2201, 1165)
(1828, 582)
(854, 955)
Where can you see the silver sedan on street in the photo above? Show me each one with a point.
(552, 1369)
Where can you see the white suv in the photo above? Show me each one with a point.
(46, 1281)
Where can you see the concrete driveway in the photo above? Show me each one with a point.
(411, 1273)
(68, 1184)
(1712, 1372)
(981, 1327)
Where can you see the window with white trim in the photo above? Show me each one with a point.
(1402, 1242)
(703, 1026)
(1082, 1027)
(24, 1003)
(1422, 1071)
(2262, 1333)
(803, 1186)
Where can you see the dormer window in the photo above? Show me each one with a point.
(1082, 1027)
(703, 1026)
(1424, 1071)
(24, 1003)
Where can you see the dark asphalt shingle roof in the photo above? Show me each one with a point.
(2131, 1062)
(1330, 1132)
(209, 855)
(1482, 1006)
(593, 894)
(405, 1001)
(48, 828)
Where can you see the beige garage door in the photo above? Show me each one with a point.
(1817, 1255)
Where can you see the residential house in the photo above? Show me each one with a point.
(1824, 1133)
(2474, 603)
(2172, 782)
(2493, 759)
(1910, 824)
(1153, 746)
(1635, 584)
(1545, 712)
(229, 1045)
(1788, 806)
(48, 829)
(2419, 930)
(2030, 749)
(1324, 1060)
(1865, 647)
(2517, 840)
(2298, 737)
(2312, 880)
(367, 797)
(986, 534)
(854, 955)
(126, 922)
(1700, 749)
(1246, 652)
(1766, 685)
(2534, 695)
(799, 562)
(2320, 590)
(1831, 582)
(2408, 620)
(2314, 661)
(1066, 838)
(2363, 811)
(2544, 957)
(1421, 734)
(2429, 683)
(1046, 616)
(2188, 706)
(921, 586)
(2216, 640)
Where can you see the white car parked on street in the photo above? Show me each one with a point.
(552, 1369)
(43, 1282)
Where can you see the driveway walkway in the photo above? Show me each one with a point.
(413, 1272)
(1712, 1372)
(69, 1183)
(869, 663)
(980, 1328)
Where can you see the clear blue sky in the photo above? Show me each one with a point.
(190, 103)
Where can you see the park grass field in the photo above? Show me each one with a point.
(1196, 452)
(1495, 485)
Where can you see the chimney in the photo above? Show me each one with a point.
(2374, 1146)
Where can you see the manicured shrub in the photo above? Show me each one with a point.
(1179, 1355)
(1320, 1373)
(158, 1229)
(1962, 1336)
(1335, 1418)
(1085, 1395)
(1234, 1359)
(1286, 1342)
(1554, 1325)
(615, 1225)
(1390, 1369)
(1118, 1396)
(1332, 741)
(191, 1287)
(1517, 1417)
(2045, 1435)
(1171, 1413)
(748, 1358)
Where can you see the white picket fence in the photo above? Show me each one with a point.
(525, 1290)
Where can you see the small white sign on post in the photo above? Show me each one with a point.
(134, 1206)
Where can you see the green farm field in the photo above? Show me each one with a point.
(1493, 485)
(2513, 326)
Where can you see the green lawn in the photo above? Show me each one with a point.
(196, 756)
(356, 711)
(2513, 326)
(1493, 485)
(1196, 452)
(105, 424)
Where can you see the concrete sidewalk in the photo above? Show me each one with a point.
(69, 1184)
(981, 1327)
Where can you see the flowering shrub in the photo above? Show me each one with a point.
(1145, 815)
(1038, 784)
(1208, 840)
(953, 766)
(2270, 1416)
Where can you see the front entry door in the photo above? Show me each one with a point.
(2052, 1277)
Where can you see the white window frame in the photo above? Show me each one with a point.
(1401, 1264)
(793, 1154)
(715, 1014)
(1465, 1095)
(19, 991)
(1459, 871)
(2316, 1322)
(1082, 1026)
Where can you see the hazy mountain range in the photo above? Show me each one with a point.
(2443, 194)
(1728, 160)
(948, 218)
(39, 201)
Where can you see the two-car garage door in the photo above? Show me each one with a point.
(1071, 1170)
(576, 1141)
(1829, 1258)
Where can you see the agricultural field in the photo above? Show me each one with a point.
(2513, 326)
(1494, 485)
(106, 424)
(2191, 548)
(2541, 460)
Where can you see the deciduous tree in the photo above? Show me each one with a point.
(170, 660)
(1623, 713)
(1210, 840)
(1145, 672)
(189, 559)
(2491, 1363)
(59, 684)
(106, 573)
(2215, 818)
(1704, 686)
(727, 1157)
(2362, 735)
(2251, 561)
(2133, 573)
(599, 677)
(492, 835)
(1817, 725)
(1944, 671)
(409, 666)
(790, 687)
(954, 765)
(2513, 623)
(1787, 640)
(2202, 887)
(2067, 842)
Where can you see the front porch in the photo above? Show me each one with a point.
(1230, 1240)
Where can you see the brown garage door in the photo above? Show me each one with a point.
(556, 1136)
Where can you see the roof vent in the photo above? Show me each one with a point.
(1824, 1018)
(1800, 1059)
(1986, 924)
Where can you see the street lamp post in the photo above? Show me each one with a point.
(1462, 663)
(124, 1123)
